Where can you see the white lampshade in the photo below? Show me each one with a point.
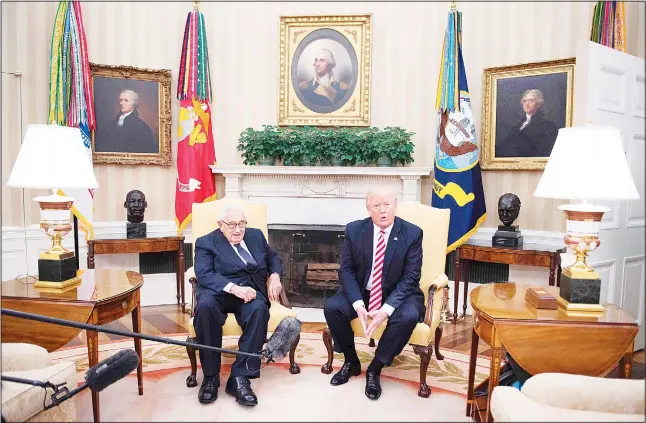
(587, 163)
(52, 157)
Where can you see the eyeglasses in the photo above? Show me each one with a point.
(232, 225)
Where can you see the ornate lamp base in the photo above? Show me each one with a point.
(580, 284)
(56, 266)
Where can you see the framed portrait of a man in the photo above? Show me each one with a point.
(325, 70)
(133, 117)
(523, 108)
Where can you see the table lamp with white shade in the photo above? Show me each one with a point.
(54, 157)
(587, 163)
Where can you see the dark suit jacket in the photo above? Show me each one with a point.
(402, 263)
(135, 136)
(217, 264)
(535, 140)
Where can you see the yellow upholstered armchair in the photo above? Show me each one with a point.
(205, 221)
(435, 224)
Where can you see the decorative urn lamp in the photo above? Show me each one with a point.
(587, 163)
(54, 157)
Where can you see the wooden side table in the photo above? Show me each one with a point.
(538, 255)
(102, 297)
(142, 245)
(543, 341)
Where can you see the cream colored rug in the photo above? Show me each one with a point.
(307, 396)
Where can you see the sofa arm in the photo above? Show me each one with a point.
(17, 357)
(508, 404)
(579, 392)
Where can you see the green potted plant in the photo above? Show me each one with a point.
(260, 147)
(400, 146)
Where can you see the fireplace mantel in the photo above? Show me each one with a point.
(317, 195)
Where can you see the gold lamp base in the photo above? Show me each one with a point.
(50, 286)
(576, 307)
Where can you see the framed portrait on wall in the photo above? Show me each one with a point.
(325, 70)
(523, 108)
(133, 116)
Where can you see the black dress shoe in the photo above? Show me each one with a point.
(240, 387)
(209, 390)
(347, 370)
(373, 385)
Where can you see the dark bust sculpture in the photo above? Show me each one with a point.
(507, 234)
(136, 205)
(508, 208)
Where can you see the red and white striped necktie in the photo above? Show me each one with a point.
(375, 290)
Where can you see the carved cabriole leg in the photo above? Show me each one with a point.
(438, 338)
(424, 352)
(327, 340)
(191, 380)
(293, 367)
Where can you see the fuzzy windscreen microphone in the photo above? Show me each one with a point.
(111, 370)
(282, 339)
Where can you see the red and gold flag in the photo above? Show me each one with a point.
(195, 148)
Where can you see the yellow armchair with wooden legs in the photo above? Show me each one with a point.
(435, 224)
(205, 221)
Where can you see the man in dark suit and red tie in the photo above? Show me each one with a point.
(381, 265)
(231, 265)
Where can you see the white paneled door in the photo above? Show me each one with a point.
(609, 90)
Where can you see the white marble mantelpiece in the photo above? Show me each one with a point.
(317, 195)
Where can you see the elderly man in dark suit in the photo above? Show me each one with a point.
(231, 265)
(381, 265)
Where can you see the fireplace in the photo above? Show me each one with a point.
(310, 256)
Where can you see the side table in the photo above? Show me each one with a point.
(102, 297)
(539, 255)
(142, 245)
(542, 341)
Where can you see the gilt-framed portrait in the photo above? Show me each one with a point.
(523, 108)
(325, 70)
(133, 116)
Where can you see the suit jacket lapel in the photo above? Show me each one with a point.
(367, 241)
(391, 247)
(223, 244)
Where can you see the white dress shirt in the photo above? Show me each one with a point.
(359, 303)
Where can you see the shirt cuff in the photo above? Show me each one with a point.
(357, 304)
(228, 287)
(388, 309)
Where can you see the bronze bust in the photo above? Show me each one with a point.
(136, 205)
(508, 208)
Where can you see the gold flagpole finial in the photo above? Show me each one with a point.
(196, 5)
(453, 6)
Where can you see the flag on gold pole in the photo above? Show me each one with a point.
(195, 148)
(609, 24)
(71, 101)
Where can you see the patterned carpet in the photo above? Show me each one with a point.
(308, 393)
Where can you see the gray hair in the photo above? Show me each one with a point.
(225, 211)
(133, 95)
(383, 191)
(536, 93)
(328, 56)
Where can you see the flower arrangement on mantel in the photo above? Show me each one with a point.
(311, 146)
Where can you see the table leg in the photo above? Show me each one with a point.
(136, 327)
(558, 269)
(93, 360)
(494, 370)
(626, 363)
(466, 267)
(456, 285)
(90, 255)
(180, 273)
(472, 370)
(552, 268)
